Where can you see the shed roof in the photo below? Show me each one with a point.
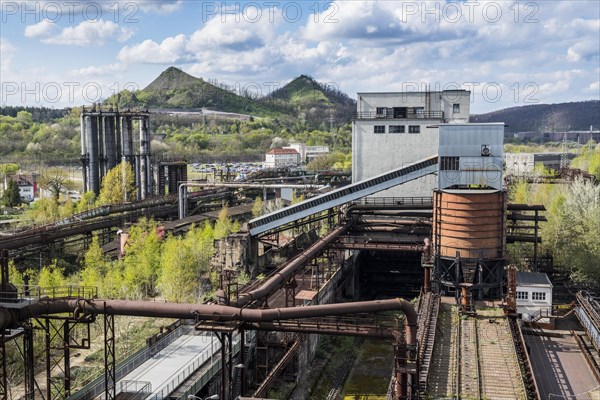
(533, 279)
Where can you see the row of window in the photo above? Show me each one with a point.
(535, 296)
(384, 111)
(397, 129)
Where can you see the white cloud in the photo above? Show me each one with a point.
(583, 50)
(89, 33)
(169, 51)
(43, 28)
(7, 51)
(102, 70)
(157, 6)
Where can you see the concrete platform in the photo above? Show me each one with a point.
(560, 368)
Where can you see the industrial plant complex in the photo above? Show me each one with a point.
(410, 251)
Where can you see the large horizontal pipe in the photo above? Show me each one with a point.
(389, 221)
(203, 312)
(279, 278)
(255, 185)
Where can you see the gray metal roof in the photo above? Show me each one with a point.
(533, 279)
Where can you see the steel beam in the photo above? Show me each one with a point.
(110, 381)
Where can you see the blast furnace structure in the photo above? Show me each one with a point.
(107, 138)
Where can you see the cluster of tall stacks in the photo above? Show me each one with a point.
(109, 137)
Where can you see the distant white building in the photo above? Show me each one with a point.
(394, 129)
(308, 153)
(534, 295)
(278, 158)
(520, 164)
(27, 186)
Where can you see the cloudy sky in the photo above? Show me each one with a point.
(508, 53)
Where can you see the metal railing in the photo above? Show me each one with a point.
(395, 201)
(137, 390)
(96, 387)
(588, 314)
(33, 294)
(186, 371)
(389, 114)
(210, 372)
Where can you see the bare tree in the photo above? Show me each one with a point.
(55, 180)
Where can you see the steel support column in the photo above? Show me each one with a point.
(3, 380)
(109, 356)
(226, 364)
(29, 362)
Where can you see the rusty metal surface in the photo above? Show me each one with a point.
(471, 222)
(289, 269)
(204, 312)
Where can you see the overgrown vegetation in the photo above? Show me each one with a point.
(573, 227)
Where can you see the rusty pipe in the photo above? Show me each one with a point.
(207, 312)
(278, 279)
(427, 247)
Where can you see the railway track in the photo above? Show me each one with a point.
(474, 357)
(468, 360)
(441, 380)
(427, 328)
(500, 373)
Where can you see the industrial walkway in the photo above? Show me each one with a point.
(343, 195)
(170, 367)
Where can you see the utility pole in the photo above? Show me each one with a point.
(564, 161)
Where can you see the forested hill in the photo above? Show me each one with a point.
(547, 117)
(302, 98)
(175, 89)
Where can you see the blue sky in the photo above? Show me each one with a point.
(508, 53)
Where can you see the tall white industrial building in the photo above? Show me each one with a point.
(394, 129)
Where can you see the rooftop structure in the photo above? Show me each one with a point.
(391, 130)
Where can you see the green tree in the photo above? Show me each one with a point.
(113, 285)
(572, 230)
(258, 207)
(86, 202)
(94, 267)
(11, 196)
(178, 281)
(118, 186)
(142, 260)
(16, 278)
(224, 225)
(8, 169)
(51, 276)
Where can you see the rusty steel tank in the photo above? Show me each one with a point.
(471, 222)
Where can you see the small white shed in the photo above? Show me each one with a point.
(534, 295)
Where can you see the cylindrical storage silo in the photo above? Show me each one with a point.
(470, 222)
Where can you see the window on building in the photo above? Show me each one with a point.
(538, 296)
(414, 129)
(419, 111)
(380, 112)
(379, 129)
(449, 163)
(456, 108)
(522, 295)
(396, 128)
